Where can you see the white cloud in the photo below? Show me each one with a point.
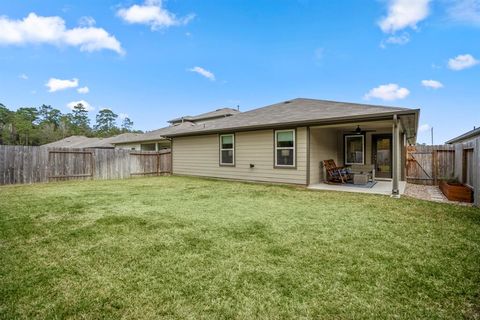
(424, 127)
(55, 84)
(86, 21)
(434, 84)
(402, 39)
(122, 116)
(207, 74)
(23, 76)
(87, 105)
(398, 40)
(403, 14)
(465, 11)
(462, 61)
(153, 14)
(388, 92)
(83, 90)
(52, 30)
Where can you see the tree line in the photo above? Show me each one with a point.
(37, 126)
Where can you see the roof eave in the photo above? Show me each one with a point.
(463, 137)
(139, 140)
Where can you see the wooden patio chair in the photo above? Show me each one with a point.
(336, 174)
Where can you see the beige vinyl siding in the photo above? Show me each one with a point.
(199, 156)
(323, 146)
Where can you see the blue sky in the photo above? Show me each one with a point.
(157, 60)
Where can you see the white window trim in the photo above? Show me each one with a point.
(227, 149)
(345, 147)
(286, 148)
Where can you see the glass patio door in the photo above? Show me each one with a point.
(382, 155)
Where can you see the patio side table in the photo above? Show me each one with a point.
(360, 178)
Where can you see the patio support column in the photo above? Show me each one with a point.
(395, 157)
(403, 157)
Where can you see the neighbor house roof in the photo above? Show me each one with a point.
(466, 136)
(178, 123)
(154, 135)
(298, 111)
(219, 113)
(86, 142)
(124, 137)
(79, 142)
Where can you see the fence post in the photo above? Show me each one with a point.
(476, 172)
(434, 166)
(458, 172)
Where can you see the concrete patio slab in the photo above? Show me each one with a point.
(381, 187)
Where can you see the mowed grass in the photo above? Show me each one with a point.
(178, 247)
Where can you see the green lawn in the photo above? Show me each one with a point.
(176, 247)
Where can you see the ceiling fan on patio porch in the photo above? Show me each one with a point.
(359, 130)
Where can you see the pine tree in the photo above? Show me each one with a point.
(105, 123)
(80, 123)
(127, 125)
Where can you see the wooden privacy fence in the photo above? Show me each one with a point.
(430, 164)
(26, 164)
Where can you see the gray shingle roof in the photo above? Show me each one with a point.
(80, 142)
(124, 137)
(86, 142)
(178, 124)
(219, 113)
(155, 135)
(296, 111)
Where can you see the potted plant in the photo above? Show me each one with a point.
(456, 191)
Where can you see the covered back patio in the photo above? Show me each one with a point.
(371, 153)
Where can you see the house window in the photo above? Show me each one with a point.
(227, 150)
(354, 149)
(147, 147)
(285, 148)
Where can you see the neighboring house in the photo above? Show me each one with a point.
(155, 140)
(86, 142)
(287, 141)
(466, 137)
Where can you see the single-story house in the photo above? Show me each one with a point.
(466, 137)
(155, 140)
(286, 142)
(87, 142)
